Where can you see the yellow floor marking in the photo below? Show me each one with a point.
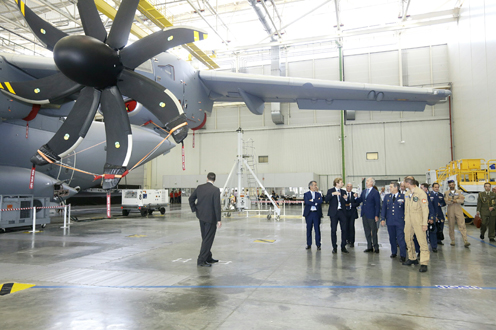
(137, 235)
(264, 240)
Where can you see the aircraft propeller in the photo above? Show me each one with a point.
(101, 68)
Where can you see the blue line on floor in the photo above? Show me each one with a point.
(443, 287)
(481, 240)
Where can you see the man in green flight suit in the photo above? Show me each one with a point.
(486, 204)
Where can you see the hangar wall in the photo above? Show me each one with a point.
(472, 52)
(309, 141)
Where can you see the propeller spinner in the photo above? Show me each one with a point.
(101, 69)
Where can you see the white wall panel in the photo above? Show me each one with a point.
(356, 68)
(416, 67)
(303, 69)
(227, 118)
(327, 68)
(384, 68)
(440, 64)
(472, 52)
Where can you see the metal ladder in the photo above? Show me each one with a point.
(249, 155)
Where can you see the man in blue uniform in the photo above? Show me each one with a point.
(313, 213)
(437, 200)
(371, 210)
(393, 215)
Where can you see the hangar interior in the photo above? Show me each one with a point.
(140, 272)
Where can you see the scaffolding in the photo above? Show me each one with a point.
(245, 166)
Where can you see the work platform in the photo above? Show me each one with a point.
(141, 273)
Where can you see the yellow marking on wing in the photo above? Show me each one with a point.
(9, 87)
(23, 9)
(1, 86)
(197, 36)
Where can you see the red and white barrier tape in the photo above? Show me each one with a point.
(30, 208)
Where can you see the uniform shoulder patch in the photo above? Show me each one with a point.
(424, 201)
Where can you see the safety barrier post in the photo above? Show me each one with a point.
(65, 217)
(302, 210)
(34, 220)
(69, 217)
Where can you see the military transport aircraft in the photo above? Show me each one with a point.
(135, 84)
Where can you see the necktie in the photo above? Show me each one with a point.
(394, 198)
(367, 193)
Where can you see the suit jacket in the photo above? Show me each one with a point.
(393, 212)
(207, 206)
(371, 207)
(437, 203)
(351, 210)
(317, 202)
(333, 201)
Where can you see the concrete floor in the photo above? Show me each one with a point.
(96, 275)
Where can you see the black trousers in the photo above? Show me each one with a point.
(341, 218)
(370, 229)
(208, 234)
(350, 221)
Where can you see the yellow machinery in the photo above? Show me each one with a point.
(469, 175)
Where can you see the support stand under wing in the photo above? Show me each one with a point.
(241, 201)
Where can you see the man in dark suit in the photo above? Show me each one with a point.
(205, 202)
(313, 213)
(393, 215)
(351, 214)
(438, 202)
(336, 197)
(371, 209)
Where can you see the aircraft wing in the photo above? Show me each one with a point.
(315, 94)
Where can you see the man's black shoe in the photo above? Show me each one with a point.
(308, 247)
(318, 248)
(410, 262)
(402, 259)
(344, 250)
(423, 268)
(434, 250)
(482, 236)
(334, 250)
(368, 250)
(211, 261)
(376, 251)
(205, 264)
(392, 256)
(440, 243)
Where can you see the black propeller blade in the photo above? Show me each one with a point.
(158, 100)
(74, 128)
(119, 32)
(90, 18)
(41, 91)
(118, 133)
(47, 33)
(158, 42)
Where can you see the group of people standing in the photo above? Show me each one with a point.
(413, 216)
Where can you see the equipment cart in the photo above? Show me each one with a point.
(145, 200)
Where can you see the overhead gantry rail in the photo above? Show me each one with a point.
(149, 10)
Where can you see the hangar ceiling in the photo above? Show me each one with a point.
(235, 26)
